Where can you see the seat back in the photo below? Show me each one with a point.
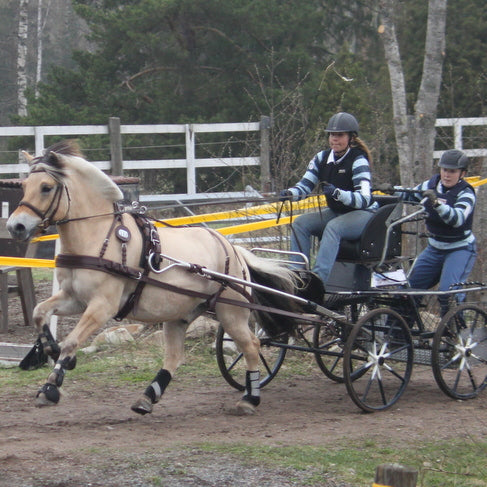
(369, 247)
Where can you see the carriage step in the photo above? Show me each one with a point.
(422, 356)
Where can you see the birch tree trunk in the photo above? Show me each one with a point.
(415, 133)
(39, 47)
(22, 58)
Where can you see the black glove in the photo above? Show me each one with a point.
(285, 195)
(431, 198)
(386, 188)
(327, 188)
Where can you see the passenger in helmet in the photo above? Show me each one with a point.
(342, 174)
(451, 251)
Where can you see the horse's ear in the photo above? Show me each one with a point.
(54, 159)
(27, 157)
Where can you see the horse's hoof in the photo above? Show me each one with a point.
(41, 401)
(143, 405)
(244, 408)
(48, 395)
(70, 363)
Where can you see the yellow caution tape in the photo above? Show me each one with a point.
(25, 262)
(45, 238)
(477, 182)
(246, 212)
(250, 227)
(379, 485)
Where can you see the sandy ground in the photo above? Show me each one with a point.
(92, 438)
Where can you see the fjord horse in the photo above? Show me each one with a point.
(100, 268)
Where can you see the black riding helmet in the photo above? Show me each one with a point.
(453, 159)
(342, 122)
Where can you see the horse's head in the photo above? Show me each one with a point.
(46, 198)
(62, 186)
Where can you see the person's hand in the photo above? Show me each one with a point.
(285, 195)
(431, 199)
(327, 188)
(386, 188)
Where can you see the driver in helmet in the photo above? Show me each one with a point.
(450, 254)
(342, 173)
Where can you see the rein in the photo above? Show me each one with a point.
(48, 215)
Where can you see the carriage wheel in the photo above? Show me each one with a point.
(378, 360)
(459, 356)
(232, 363)
(330, 339)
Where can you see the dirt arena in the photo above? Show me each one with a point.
(92, 438)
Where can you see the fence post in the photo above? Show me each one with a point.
(265, 152)
(115, 146)
(190, 137)
(39, 141)
(394, 475)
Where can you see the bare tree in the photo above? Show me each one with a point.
(415, 133)
(22, 58)
(39, 45)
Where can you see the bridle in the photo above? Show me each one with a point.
(48, 215)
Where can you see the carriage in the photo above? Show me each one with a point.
(375, 326)
(367, 330)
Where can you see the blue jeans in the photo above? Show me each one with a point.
(443, 267)
(330, 228)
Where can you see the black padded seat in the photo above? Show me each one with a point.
(369, 246)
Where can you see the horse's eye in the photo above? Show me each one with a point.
(46, 189)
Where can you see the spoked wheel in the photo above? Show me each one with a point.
(459, 356)
(231, 361)
(378, 360)
(330, 339)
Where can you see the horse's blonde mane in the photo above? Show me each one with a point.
(63, 158)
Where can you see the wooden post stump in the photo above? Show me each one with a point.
(394, 475)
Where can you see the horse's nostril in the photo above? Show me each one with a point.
(17, 231)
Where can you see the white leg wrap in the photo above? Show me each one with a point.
(253, 386)
(157, 390)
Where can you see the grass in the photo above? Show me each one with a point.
(42, 274)
(457, 463)
(131, 363)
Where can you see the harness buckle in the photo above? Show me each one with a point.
(138, 208)
(154, 235)
(44, 225)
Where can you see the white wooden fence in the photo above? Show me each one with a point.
(458, 125)
(190, 162)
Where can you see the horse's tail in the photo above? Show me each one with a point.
(275, 275)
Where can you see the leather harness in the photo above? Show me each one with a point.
(150, 260)
(150, 257)
(151, 245)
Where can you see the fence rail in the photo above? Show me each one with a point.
(458, 124)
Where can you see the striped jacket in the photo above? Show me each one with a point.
(358, 198)
(455, 213)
